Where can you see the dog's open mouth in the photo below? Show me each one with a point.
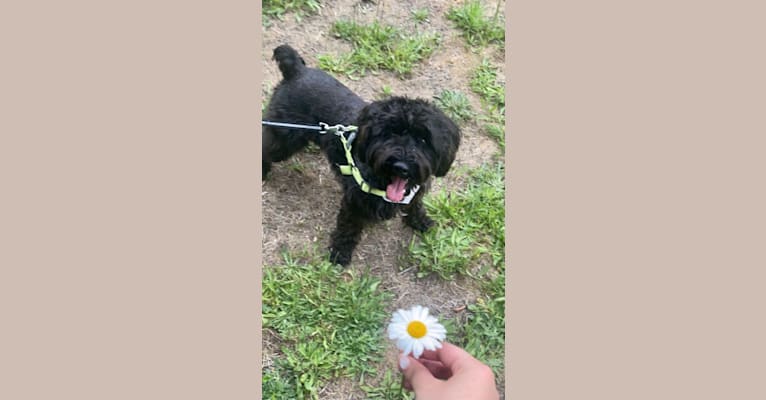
(396, 190)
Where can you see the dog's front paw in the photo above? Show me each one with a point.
(340, 256)
(420, 223)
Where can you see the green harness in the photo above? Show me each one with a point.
(351, 169)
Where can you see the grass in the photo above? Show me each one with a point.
(330, 323)
(277, 8)
(276, 384)
(470, 228)
(482, 333)
(455, 104)
(469, 240)
(478, 30)
(267, 93)
(420, 15)
(296, 165)
(497, 132)
(389, 388)
(378, 47)
(385, 92)
(485, 83)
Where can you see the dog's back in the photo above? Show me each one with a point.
(305, 96)
(310, 95)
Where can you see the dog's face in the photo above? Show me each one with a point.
(405, 141)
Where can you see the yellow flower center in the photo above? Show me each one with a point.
(416, 329)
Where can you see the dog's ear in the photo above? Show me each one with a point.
(367, 129)
(445, 136)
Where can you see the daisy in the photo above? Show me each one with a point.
(414, 331)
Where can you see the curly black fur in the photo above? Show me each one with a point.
(400, 143)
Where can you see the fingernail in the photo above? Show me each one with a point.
(404, 362)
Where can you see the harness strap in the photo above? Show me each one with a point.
(350, 169)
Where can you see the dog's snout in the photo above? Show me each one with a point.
(401, 169)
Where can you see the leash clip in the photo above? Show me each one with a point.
(338, 130)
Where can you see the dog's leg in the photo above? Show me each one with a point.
(346, 236)
(417, 218)
(267, 139)
(281, 145)
(265, 168)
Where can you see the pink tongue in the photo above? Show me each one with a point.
(395, 189)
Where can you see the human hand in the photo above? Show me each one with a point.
(449, 373)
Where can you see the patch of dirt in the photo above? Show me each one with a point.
(300, 197)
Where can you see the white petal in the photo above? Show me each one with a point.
(392, 324)
(400, 316)
(429, 343)
(417, 349)
(438, 336)
(437, 331)
(408, 347)
(397, 331)
(423, 314)
(436, 327)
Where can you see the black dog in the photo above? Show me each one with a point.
(399, 144)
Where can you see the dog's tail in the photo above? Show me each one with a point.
(290, 63)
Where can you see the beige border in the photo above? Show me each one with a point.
(636, 209)
(129, 187)
(637, 200)
(259, 243)
(508, 164)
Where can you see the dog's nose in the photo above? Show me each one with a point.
(401, 169)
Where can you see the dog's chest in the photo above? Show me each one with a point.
(368, 206)
(390, 210)
(376, 208)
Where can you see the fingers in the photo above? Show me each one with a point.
(416, 375)
(430, 355)
(437, 369)
(453, 357)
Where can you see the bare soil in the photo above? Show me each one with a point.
(300, 197)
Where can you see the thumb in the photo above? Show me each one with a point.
(415, 373)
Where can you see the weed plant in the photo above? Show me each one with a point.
(485, 83)
(389, 388)
(277, 8)
(378, 47)
(482, 334)
(455, 104)
(477, 29)
(420, 15)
